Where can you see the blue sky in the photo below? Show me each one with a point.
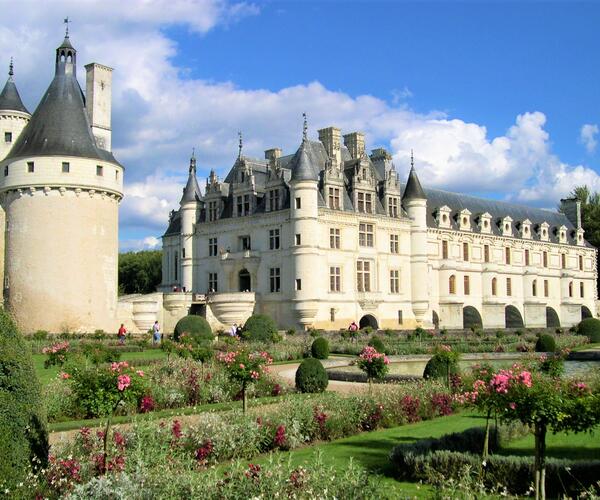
(498, 99)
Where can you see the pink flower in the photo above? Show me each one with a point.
(123, 382)
(140, 373)
(500, 382)
(64, 375)
(512, 406)
(117, 367)
(254, 375)
(478, 385)
(525, 378)
(242, 366)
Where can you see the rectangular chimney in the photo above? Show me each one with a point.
(98, 85)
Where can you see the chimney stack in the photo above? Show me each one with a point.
(98, 84)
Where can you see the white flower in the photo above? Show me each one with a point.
(484, 463)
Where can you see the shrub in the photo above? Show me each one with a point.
(373, 363)
(99, 353)
(377, 343)
(23, 434)
(260, 327)
(311, 376)
(40, 335)
(320, 348)
(367, 330)
(545, 343)
(290, 331)
(195, 328)
(442, 364)
(590, 327)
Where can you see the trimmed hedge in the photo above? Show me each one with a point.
(23, 432)
(311, 376)
(590, 327)
(545, 343)
(320, 348)
(260, 327)
(196, 327)
(438, 367)
(448, 456)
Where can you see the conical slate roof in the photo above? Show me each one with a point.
(10, 98)
(302, 165)
(191, 191)
(413, 189)
(60, 126)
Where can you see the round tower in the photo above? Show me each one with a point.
(305, 236)
(60, 192)
(414, 201)
(190, 203)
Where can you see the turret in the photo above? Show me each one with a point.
(414, 201)
(305, 235)
(190, 204)
(13, 114)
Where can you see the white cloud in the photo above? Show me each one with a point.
(159, 113)
(587, 136)
(133, 245)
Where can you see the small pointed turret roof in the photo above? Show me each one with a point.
(302, 168)
(413, 189)
(191, 191)
(9, 97)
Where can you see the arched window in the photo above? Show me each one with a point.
(570, 289)
(534, 288)
(452, 284)
(494, 286)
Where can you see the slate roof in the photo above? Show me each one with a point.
(437, 198)
(413, 189)
(60, 126)
(10, 98)
(174, 225)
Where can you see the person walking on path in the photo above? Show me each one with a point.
(353, 327)
(122, 334)
(156, 333)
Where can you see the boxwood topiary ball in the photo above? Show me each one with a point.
(545, 343)
(311, 376)
(194, 327)
(320, 348)
(590, 327)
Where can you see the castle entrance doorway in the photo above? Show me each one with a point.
(368, 320)
(245, 281)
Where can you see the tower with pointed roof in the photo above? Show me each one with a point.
(190, 206)
(60, 188)
(14, 116)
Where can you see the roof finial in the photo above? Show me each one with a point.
(241, 144)
(66, 21)
(10, 68)
(193, 161)
(412, 159)
(304, 128)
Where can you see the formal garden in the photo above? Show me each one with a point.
(484, 414)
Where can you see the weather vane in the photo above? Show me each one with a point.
(240, 145)
(10, 68)
(66, 21)
(304, 128)
(412, 159)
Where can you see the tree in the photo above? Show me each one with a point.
(140, 272)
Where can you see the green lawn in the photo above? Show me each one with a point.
(581, 446)
(45, 375)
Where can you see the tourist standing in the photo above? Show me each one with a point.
(233, 330)
(122, 334)
(353, 327)
(156, 333)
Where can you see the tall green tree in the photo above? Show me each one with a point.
(140, 272)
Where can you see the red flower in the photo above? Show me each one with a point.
(279, 439)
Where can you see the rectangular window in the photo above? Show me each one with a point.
(534, 288)
(246, 204)
(466, 252)
(7, 136)
(563, 260)
(486, 253)
(116, 175)
(298, 284)
(212, 210)
(99, 170)
(335, 279)
(360, 202)
(298, 203)
(545, 259)
(273, 239)
(365, 234)
(467, 285)
(176, 267)
(245, 242)
(507, 254)
(240, 206)
(400, 320)
(275, 279)
(363, 275)
(546, 288)
(394, 281)
(393, 207)
(334, 198)
(526, 257)
(394, 243)
(212, 247)
(508, 287)
(30, 167)
(368, 203)
(332, 314)
(183, 253)
(213, 282)
(5, 170)
(581, 262)
(444, 249)
(365, 202)
(298, 239)
(274, 199)
(581, 290)
(66, 167)
(334, 238)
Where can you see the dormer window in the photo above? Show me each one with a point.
(580, 240)
(243, 205)
(443, 216)
(525, 229)
(562, 234)
(333, 198)
(465, 220)
(507, 226)
(543, 231)
(364, 202)
(213, 210)
(242, 176)
(393, 206)
(273, 200)
(485, 223)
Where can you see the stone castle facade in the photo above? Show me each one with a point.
(330, 234)
(60, 188)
